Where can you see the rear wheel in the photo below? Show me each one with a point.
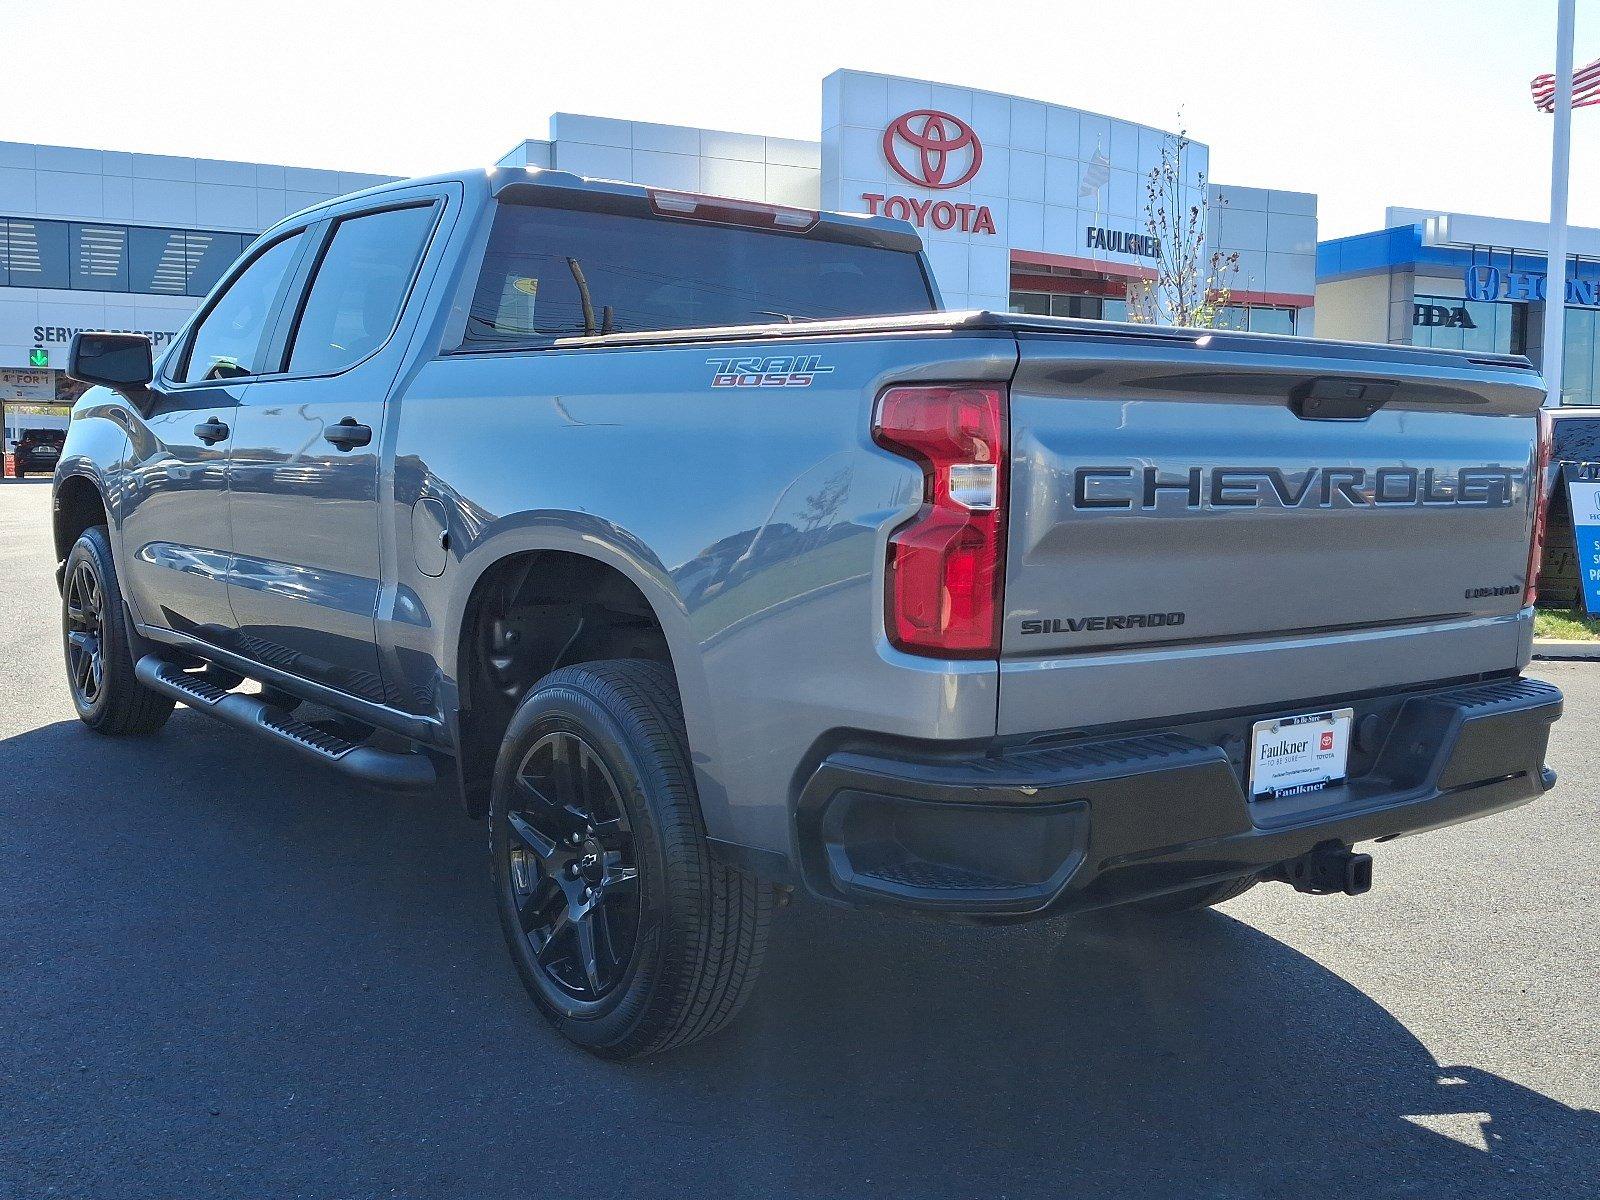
(630, 937)
(108, 697)
(1196, 898)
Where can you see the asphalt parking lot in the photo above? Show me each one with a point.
(226, 974)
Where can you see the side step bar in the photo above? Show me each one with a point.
(388, 769)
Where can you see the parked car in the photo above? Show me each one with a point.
(689, 543)
(38, 450)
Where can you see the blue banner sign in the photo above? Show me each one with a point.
(1583, 499)
(1493, 283)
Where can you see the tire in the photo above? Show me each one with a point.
(1196, 898)
(675, 937)
(94, 634)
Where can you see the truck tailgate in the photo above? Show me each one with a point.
(1179, 499)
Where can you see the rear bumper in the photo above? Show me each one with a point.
(1086, 824)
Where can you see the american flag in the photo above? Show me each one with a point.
(1585, 88)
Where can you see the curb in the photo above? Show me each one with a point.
(1556, 648)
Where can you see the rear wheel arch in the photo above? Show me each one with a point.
(533, 610)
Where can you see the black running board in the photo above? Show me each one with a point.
(389, 769)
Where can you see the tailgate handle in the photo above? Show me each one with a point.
(1332, 399)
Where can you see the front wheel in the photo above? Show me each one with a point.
(630, 937)
(108, 697)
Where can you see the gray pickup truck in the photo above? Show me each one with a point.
(690, 543)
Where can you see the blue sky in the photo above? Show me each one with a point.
(1366, 102)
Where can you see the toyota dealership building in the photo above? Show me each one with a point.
(1022, 204)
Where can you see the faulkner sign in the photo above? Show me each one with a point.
(1492, 283)
(1119, 241)
(933, 150)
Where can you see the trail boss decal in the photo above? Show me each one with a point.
(784, 370)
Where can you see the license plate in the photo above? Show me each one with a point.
(1294, 755)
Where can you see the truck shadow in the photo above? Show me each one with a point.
(268, 968)
(1181, 1057)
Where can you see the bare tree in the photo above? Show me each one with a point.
(1192, 283)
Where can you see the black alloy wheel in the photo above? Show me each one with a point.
(86, 634)
(572, 870)
(630, 936)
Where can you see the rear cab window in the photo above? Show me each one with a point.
(555, 272)
(359, 287)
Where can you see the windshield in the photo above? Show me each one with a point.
(552, 272)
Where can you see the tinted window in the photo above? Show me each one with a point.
(208, 257)
(1271, 320)
(359, 288)
(644, 273)
(1450, 323)
(37, 254)
(1233, 317)
(96, 257)
(232, 338)
(1577, 356)
(158, 260)
(100, 258)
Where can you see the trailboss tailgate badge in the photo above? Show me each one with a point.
(1290, 756)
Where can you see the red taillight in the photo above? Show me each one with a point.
(945, 564)
(1541, 506)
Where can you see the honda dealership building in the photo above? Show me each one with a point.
(1022, 204)
(1464, 282)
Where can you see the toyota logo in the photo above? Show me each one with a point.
(925, 147)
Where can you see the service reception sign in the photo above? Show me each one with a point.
(1583, 498)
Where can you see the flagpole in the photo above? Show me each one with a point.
(1555, 303)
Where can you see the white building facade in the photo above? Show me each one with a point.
(1022, 204)
(105, 239)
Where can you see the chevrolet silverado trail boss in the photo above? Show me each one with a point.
(690, 543)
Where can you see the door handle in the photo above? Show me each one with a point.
(348, 434)
(211, 431)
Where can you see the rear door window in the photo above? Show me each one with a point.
(359, 288)
(551, 272)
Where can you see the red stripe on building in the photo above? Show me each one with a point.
(1276, 299)
(1067, 284)
(1037, 258)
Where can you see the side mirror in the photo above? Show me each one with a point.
(123, 361)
